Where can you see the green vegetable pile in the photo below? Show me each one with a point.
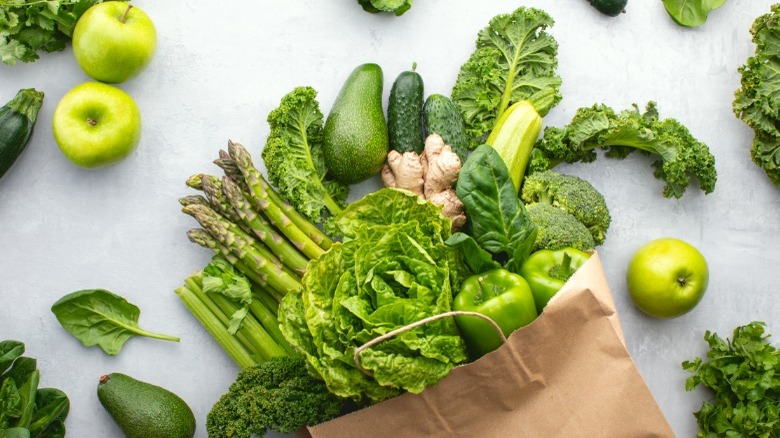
(392, 269)
(27, 411)
(679, 156)
(278, 394)
(262, 245)
(744, 374)
(756, 101)
(30, 26)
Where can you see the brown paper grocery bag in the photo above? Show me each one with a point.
(567, 374)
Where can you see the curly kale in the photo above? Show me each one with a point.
(294, 158)
(573, 195)
(279, 395)
(515, 60)
(757, 103)
(557, 229)
(679, 155)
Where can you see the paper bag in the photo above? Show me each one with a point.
(567, 374)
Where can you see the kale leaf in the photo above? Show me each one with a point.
(679, 156)
(757, 102)
(294, 158)
(515, 60)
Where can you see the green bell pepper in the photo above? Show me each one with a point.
(546, 271)
(504, 297)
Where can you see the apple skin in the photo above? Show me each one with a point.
(96, 125)
(667, 277)
(109, 50)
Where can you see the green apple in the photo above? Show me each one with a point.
(667, 277)
(114, 41)
(96, 125)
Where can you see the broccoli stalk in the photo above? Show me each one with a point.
(572, 195)
(278, 394)
(679, 155)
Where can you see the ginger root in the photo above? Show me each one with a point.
(430, 175)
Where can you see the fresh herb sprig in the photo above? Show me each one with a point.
(30, 26)
(744, 373)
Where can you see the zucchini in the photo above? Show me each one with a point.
(404, 113)
(514, 137)
(613, 8)
(441, 116)
(17, 119)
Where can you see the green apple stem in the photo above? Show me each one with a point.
(124, 16)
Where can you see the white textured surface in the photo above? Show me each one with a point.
(222, 66)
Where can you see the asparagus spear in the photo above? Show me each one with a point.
(271, 202)
(287, 253)
(268, 296)
(240, 244)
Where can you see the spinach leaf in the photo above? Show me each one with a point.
(27, 392)
(52, 407)
(691, 13)
(10, 403)
(99, 317)
(499, 222)
(22, 368)
(474, 257)
(9, 351)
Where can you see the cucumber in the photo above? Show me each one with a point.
(441, 116)
(17, 119)
(613, 8)
(404, 113)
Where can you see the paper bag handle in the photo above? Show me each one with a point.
(406, 328)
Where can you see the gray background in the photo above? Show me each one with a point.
(222, 66)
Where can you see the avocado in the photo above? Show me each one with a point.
(143, 410)
(355, 134)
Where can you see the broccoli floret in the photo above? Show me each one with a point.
(679, 155)
(573, 195)
(278, 394)
(557, 229)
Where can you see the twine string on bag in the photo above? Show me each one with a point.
(406, 328)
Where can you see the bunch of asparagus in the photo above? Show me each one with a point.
(247, 223)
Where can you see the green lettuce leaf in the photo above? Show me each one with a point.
(515, 60)
(294, 157)
(757, 102)
(392, 269)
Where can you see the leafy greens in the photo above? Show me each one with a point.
(691, 13)
(398, 7)
(757, 103)
(294, 158)
(744, 374)
(99, 317)
(499, 222)
(515, 60)
(30, 26)
(220, 277)
(25, 409)
(392, 269)
(679, 156)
